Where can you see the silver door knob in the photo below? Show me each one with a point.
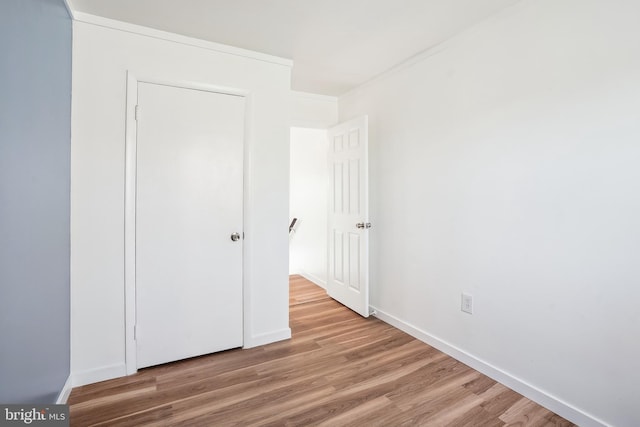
(363, 225)
(235, 237)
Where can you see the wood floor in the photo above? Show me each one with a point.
(338, 370)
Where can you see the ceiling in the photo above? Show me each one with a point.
(336, 45)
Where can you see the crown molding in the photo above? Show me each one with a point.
(315, 96)
(440, 47)
(70, 9)
(177, 38)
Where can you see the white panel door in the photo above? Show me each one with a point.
(348, 239)
(189, 195)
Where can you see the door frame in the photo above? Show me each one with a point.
(130, 202)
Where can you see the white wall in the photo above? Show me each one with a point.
(309, 110)
(308, 203)
(505, 164)
(101, 58)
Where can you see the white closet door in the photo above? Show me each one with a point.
(188, 205)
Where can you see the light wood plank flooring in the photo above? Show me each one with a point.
(338, 370)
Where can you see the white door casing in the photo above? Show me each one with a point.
(188, 199)
(348, 218)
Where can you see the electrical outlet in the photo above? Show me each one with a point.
(467, 303)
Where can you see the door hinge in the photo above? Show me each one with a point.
(135, 332)
(137, 112)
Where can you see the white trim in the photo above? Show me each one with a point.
(437, 48)
(247, 215)
(63, 396)
(314, 279)
(177, 38)
(99, 374)
(131, 136)
(268, 338)
(70, 9)
(131, 366)
(317, 97)
(311, 124)
(541, 397)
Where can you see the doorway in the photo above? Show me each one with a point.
(308, 204)
(329, 209)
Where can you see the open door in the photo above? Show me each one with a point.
(348, 226)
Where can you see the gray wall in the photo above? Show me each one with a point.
(35, 123)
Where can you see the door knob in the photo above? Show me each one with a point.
(235, 237)
(363, 225)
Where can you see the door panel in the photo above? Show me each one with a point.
(189, 196)
(348, 276)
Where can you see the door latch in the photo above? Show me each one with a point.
(363, 225)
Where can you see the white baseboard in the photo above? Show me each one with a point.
(116, 371)
(65, 392)
(99, 374)
(268, 338)
(315, 279)
(550, 402)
